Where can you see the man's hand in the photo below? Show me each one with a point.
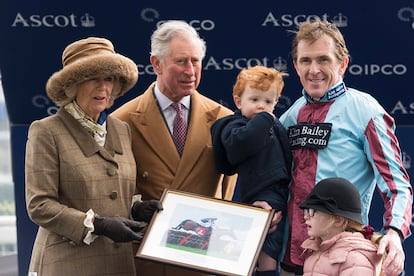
(277, 217)
(391, 244)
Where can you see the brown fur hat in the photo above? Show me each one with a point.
(88, 58)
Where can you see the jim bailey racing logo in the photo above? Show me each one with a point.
(306, 135)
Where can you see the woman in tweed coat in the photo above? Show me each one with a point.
(80, 170)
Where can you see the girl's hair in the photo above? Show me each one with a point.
(259, 77)
(367, 231)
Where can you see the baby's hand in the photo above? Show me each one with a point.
(273, 115)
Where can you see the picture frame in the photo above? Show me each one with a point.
(206, 234)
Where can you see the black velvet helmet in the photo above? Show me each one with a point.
(335, 196)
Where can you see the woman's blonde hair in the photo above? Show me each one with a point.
(72, 91)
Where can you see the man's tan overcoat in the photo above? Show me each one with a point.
(158, 162)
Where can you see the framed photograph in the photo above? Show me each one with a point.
(206, 234)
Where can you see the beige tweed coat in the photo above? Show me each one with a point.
(159, 164)
(68, 173)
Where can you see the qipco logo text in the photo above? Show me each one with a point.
(374, 69)
(205, 25)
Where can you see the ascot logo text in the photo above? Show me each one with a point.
(227, 64)
(289, 20)
(51, 21)
(403, 108)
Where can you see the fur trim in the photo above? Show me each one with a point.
(84, 68)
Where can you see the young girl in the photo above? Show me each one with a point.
(339, 244)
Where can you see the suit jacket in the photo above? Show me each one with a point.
(68, 173)
(158, 162)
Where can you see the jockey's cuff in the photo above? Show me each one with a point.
(398, 231)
